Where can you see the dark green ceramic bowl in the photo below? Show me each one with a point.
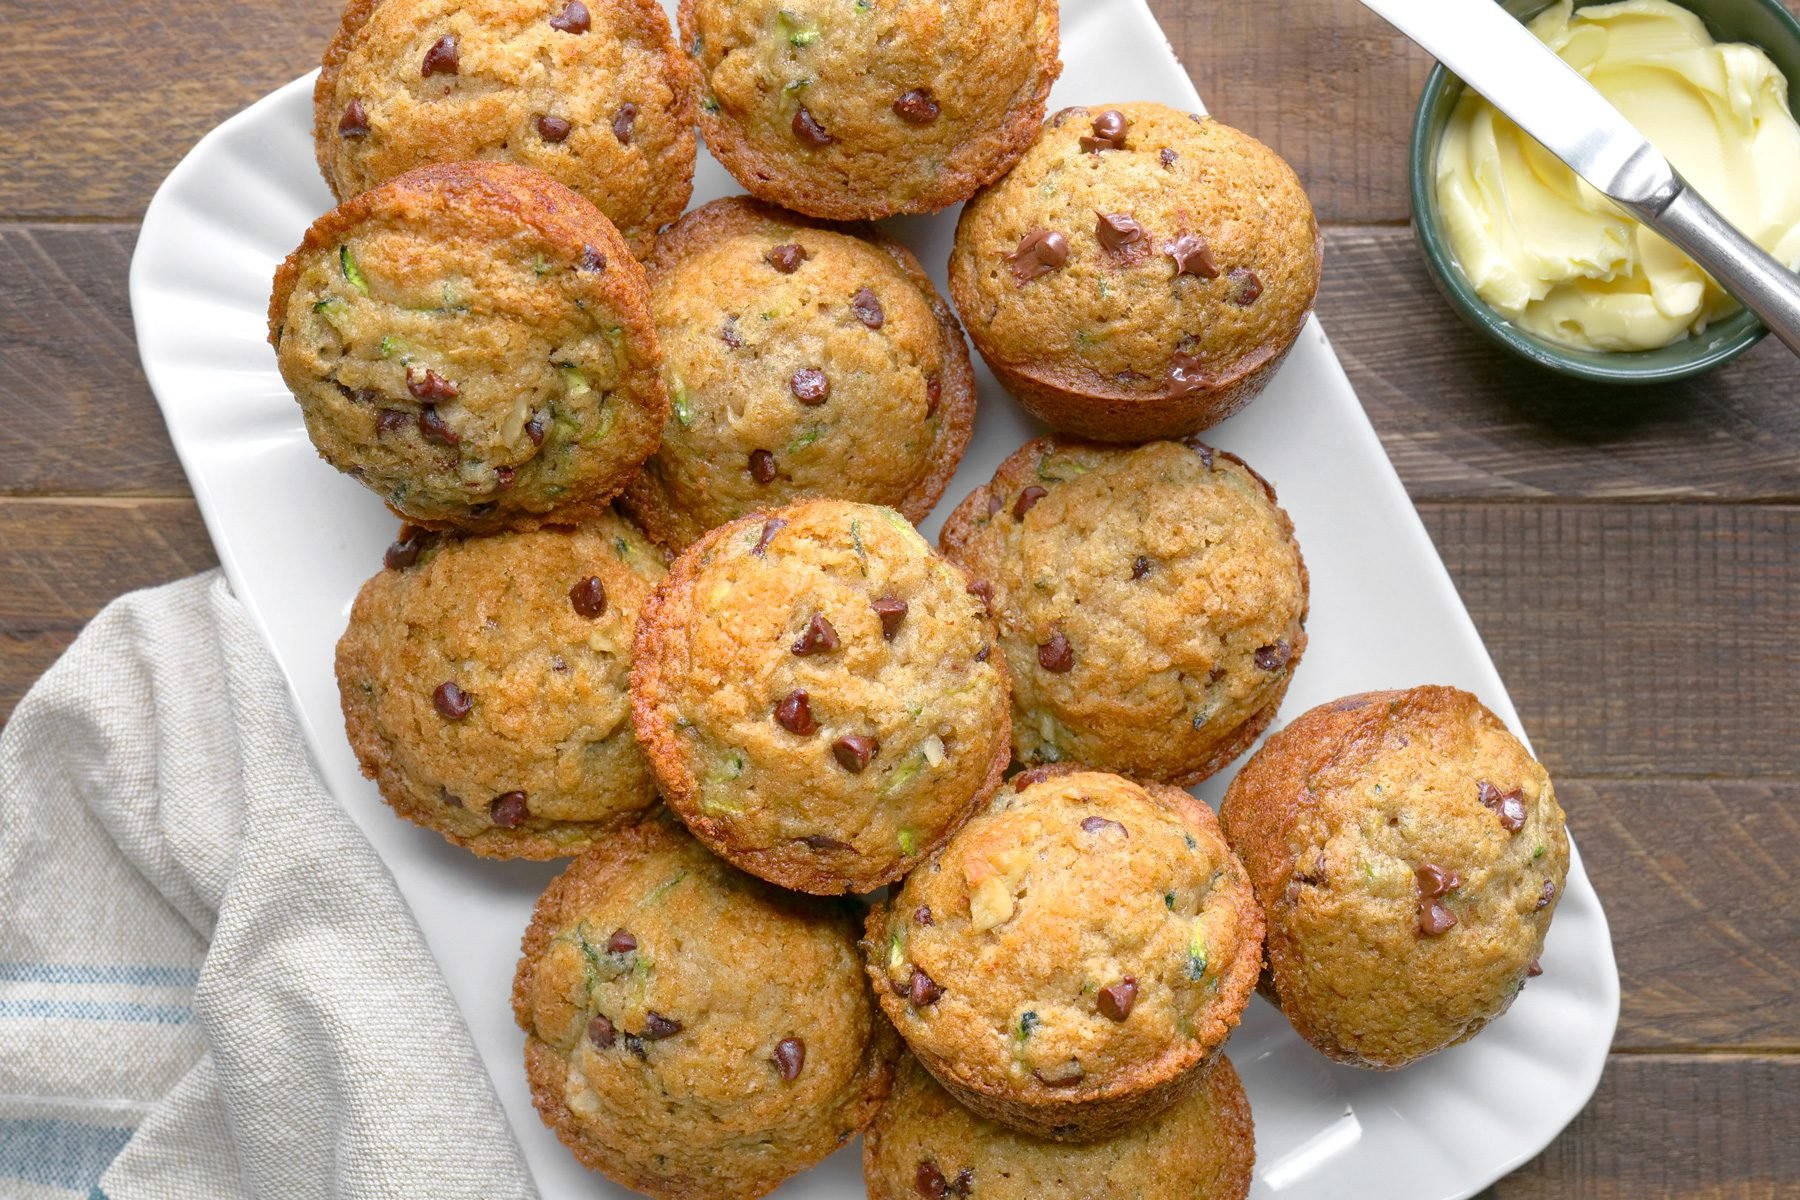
(1764, 23)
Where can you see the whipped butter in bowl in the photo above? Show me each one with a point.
(1549, 256)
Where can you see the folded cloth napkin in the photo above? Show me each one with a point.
(209, 984)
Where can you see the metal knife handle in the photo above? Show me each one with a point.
(1743, 268)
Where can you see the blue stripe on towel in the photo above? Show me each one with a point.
(96, 1010)
(59, 1154)
(98, 973)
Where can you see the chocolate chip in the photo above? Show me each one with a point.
(1534, 970)
(358, 395)
(892, 611)
(771, 527)
(449, 798)
(984, 591)
(635, 1044)
(508, 811)
(1117, 230)
(934, 393)
(1067, 1075)
(981, 655)
(1545, 896)
(810, 387)
(622, 122)
(355, 122)
(818, 637)
(789, 1057)
(867, 307)
(453, 704)
(787, 257)
(592, 260)
(559, 664)
(794, 714)
(1140, 567)
(853, 752)
(1115, 1002)
(426, 384)
(505, 477)
(1245, 286)
(572, 19)
(1025, 779)
(1273, 658)
(1040, 252)
(921, 992)
(808, 129)
(1167, 158)
(823, 844)
(1203, 450)
(964, 1182)
(657, 1027)
(1056, 655)
(1509, 805)
(392, 420)
(916, 107)
(441, 58)
(1193, 256)
(589, 597)
(928, 1181)
(621, 942)
(762, 466)
(729, 334)
(1435, 881)
(1109, 132)
(1187, 374)
(600, 1031)
(1435, 919)
(922, 915)
(435, 429)
(553, 129)
(403, 553)
(996, 502)
(1027, 501)
(534, 429)
(1096, 824)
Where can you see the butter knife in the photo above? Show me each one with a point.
(1490, 51)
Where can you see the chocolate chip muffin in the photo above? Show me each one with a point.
(1409, 853)
(1151, 602)
(818, 695)
(803, 361)
(691, 1031)
(474, 343)
(1140, 274)
(923, 1143)
(484, 684)
(1069, 962)
(594, 93)
(855, 111)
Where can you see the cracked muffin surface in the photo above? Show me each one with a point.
(1151, 602)
(474, 343)
(484, 685)
(923, 1143)
(855, 111)
(818, 695)
(1069, 962)
(1139, 274)
(692, 1031)
(1409, 853)
(594, 93)
(801, 361)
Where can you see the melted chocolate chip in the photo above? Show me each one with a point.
(426, 384)
(600, 1031)
(588, 597)
(1245, 286)
(1040, 252)
(853, 752)
(1115, 1002)
(729, 334)
(657, 1027)
(982, 590)
(1109, 132)
(1534, 970)
(504, 478)
(921, 992)
(1187, 374)
(928, 1181)
(810, 386)
(922, 915)
(916, 107)
(964, 1182)
(453, 704)
(403, 553)
(1117, 230)
(449, 798)
(592, 261)
(1205, 451)
(392, 420)
(622, 122)
(553, 129)
(1167, 158)
(635, 1044)
(1545, 896)
(358, 395)
(818, 637)
(435, 429)
(1096, 824)
(808, 129)
(934, 393)
(1273, 658)
(787, 257)
(621, 942)
(981, 655)
(441, 58)
(1510, 806)
(534, 429)
(762, 466)
(1435, 919)
(1435, 881)
(1140, 567)
(1193, 256)
(771, 527)
(572, 19)
(794, 714)
(355, 121)
(995, 503)
(508, 811)
(1056, 655)
(892, 611)
(1025, 779)
(789, 1057)
(867, 307)
(1027, 501)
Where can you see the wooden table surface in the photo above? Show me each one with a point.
(1631, 557)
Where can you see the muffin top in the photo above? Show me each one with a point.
(691, 1030)
(854, 111)
(594, 93)
(923, 1143)
(1137, 251)
(803, 361)
(474, 343)
(817, 695)
(1409, 853)
(1081, 938)
(1150, 601)
(484, 685)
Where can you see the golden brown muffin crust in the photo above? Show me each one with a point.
(692, 1032)
(596, 95)
(474, 343)
(1151, 602)
(741, 313)
(1409, 853)
(856, 111)
(1069, 961)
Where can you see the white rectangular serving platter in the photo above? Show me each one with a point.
(297, 540)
